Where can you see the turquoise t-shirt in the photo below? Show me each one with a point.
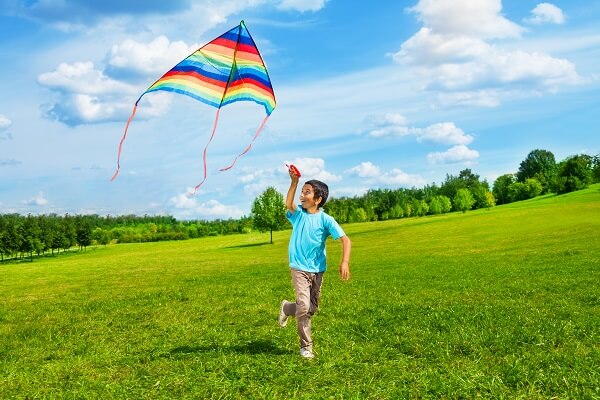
(309, 233)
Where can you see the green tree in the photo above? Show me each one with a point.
(463, 200)
(83, 233)
(435, 205)
(574, 173)
(500, 189)
(596, 168)
(268, 211)
(541, 165)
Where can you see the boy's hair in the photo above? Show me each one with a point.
(321, 190)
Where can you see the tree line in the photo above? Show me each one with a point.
(22, 236)
(539, 173)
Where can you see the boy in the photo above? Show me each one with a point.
(310, 229)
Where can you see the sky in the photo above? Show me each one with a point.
(370, 95)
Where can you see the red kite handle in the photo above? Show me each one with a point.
(294, 169)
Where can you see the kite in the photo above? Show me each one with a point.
(225, 70)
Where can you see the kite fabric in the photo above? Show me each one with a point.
(225, 70)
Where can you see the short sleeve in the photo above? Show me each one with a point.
(335, 230)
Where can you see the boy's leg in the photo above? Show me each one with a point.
(302, 285)
(315, 293)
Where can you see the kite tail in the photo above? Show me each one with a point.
(122, 140)
(260, 128)
(204, 153)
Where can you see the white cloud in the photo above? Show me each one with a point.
(396, 125)
(394, 177)
(546, 13)
(390, 124)
(154, 58)
(398, 177)
(475, 18)
(87, 95)
(82, 78)
(444, 133)
(365, 170)
(302, 5)
(481, 98)
(456, 154)
(314, 168)
(189, 207)
(453, 53)
(5, 123)
(38, 200)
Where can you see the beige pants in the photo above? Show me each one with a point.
(308, 291)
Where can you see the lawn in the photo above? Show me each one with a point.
(499, 303)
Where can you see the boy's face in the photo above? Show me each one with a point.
(307, 197)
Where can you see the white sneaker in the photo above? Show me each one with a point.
(306, 353)
(282, 317)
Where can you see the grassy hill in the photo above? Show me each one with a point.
(499, 303)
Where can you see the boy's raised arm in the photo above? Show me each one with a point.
(290, 204)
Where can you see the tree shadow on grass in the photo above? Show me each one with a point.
(249, 347)
(241, 246)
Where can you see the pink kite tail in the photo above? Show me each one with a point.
(122, 140)
(205, 148)
(249, 146)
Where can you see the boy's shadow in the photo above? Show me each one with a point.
(251, 347)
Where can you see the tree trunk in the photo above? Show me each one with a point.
(271, 236)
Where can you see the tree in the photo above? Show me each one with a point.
(83, 234)
(463, 200)
(574, 173)
(268, 211)
(541, 165)
(501, 188)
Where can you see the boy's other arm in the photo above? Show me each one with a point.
(291, 194)
(345, 263)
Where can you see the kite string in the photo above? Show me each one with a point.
(204, 153)
(123, 139)
(249, 146)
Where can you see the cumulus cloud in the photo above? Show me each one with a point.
(148, 59)
(87, 95)
(456, 154)
(302, 5)
(474, 18)
(454, 52)
(443, 133)
(546, 13)
(389, 124)
(314, 168)
(37, 201)
(394, 177)
(82, 78)
(190, 207)
(396, 125)
(5, 123)
(366, 170)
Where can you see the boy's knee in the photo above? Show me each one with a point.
(302, 309)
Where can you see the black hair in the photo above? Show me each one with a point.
(321, 190)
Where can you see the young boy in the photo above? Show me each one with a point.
(310, 229)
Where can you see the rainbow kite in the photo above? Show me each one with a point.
(225, 70)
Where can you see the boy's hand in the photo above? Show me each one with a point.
(344, 271)
(293, 174)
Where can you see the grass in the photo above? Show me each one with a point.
(502, 303)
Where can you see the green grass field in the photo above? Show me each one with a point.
(500, 303)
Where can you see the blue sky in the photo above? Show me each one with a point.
(378, 94)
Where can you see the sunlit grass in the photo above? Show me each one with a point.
(502, 303)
